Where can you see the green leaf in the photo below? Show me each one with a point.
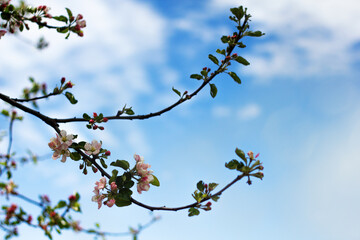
(5, 112)
(86, 117)
(62, 29)
(242, 60)
(155, 181)
(61, 204)
(176, 91)
(225, 39)
(193, 212)
(238, 12)
(61, 18)
(123, 198)
(212, 186)
(75, 156)
(215, 198)
(103, 163)
(254, 34)
(213, 90)
(71, 98)
(235, 77)
(121, 163)
(129, 184)
(241, 154)
(221, 51)
(232, 164)
(213, 59)
(69, 12)
(129, 111)
(196, 76)
(200, 186)
(240, 166)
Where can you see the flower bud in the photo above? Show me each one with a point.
(91, 121)
(95, 114)
(72, 198)
(62, 80)
(107, 153)
(94, 169)
(95, 127)
(105, 119)
(101, 128)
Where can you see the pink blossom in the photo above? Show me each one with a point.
(98, 199)
(2, 33)
(92, 148)
(101, 184)
(110, 202)
(142, 186)
(113, 186)
(64, 138)
(138, 158)
(141, 168)
(251, 155)
(61, 150)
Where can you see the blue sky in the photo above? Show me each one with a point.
(297, 106)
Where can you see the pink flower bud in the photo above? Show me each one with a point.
(91, 121)
(107, 153)
(69, 84)
(95, 114)
(105, 119)
(72, 198)
(62, 80)
(95, 127)
(101, 128)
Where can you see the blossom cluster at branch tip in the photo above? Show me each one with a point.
(145, 174)
(99, 197)
(80, 23)
(60, 145)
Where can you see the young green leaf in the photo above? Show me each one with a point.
(200, 186)
(61, 18)
(232, 164)
(69, 12)
(241, 154)
(86, 117)
(193, 212)
(121, 163)
(222, 52)
(196, 76)
(235, 77)
(71, 98)
(254, 34)
(176, 91)
(242, 60)
(213, 59)
(155, 181)
(213, 90)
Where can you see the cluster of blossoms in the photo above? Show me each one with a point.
(80, 23)
(60, 145)
(10, 212)
(44, 10)
(145, 174)
(99, 197)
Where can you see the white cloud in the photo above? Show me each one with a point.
(312, 38)
(249, 112)
(221, 111)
